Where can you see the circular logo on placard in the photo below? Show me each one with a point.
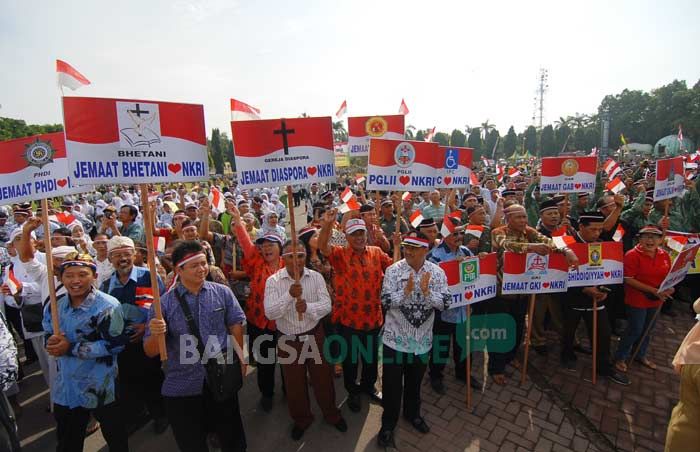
(569, 167)
(376, 126)
(39, 153)
(404, 155)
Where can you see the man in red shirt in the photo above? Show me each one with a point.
(358, 273)
(646, 265)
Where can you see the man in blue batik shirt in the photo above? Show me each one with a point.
(445, 325)
(86, 348)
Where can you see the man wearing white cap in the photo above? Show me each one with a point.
(357, 280)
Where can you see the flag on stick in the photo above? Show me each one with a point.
(69, 77)
(342, 111)
(416, 218)
(403, 108)
(240, 111)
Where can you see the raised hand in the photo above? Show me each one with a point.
(424, 283)
(409, 286)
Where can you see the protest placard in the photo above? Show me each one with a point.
(670, 178)
(532, 273)
(402, 165)
(454, 167)
(680, 266)
(568, 174)
(471, 280)
(361, 129)
(599, 264)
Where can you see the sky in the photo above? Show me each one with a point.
(455, 63)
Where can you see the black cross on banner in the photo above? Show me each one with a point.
(284, 131)
(138, 111)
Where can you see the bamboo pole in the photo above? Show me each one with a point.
(469, 357)
(292, 226)
(530, 314)
(55, 324)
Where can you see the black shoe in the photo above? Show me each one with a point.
(341, 425)
(541, 350)
(437, 385)
(420, 425)
(619, 378)
(297, 433)
(569, 364)
(354, 402)
(386, 439)
(374, 395)
(266, 403)
(586, 350)
(160, 425)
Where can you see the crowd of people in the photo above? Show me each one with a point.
(364, 287)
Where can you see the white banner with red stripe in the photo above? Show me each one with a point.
(533, 273)
(471, 280)
(599, 264)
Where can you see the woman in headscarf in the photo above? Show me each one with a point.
(270, 225)
(82, 241)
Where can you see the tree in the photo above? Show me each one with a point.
(531, 140)
(487, 127)
(491, 142)
(409, 134)
(340, 135)
(562, 135)
(510, 142)
(458, 138)
(442, 138)
(17, 128)
(474, 141)
(419, 136)
(548, 146)
(216, 152)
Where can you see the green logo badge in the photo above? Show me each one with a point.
(469, 269)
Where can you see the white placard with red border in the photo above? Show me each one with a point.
(568, 174)
(533, 273)
(456, 167)
(402, 165)
(680, 266)
(35, 167)
(600, 264)
(471, 280)
(261, 159)
(670, 178)
(362, 128)
(134, 141)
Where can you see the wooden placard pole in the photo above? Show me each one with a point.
(469, 357)
(292, 226)
(594, 345)
(49, 267)
(151, 260)
(530, 314)
(397, 228)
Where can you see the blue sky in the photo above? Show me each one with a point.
(455, 62)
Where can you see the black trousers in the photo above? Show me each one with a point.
(139, 383)
(615, 304)
(402, 374)
(571, 319)
(14, 317)
(361, 346)
(444, 333)
(72, 422)
(191, 418)
(516, 307)
(264, 350)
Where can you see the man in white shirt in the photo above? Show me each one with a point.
(104, 266)
(298, 308)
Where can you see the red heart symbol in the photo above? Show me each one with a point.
(404, 179)
(174, 167)
(447, 180)
(545, 284)
(606, 274)
(311, 170)
(62, 182)
(577, 186)
(468, 295)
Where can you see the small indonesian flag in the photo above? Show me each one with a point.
(351, 204)
(680, 135)
(217, 200)
(473, 179)
(559, 232)
(616, 185)
(694, 157)
(447, 227)
(429, 136)
(240, 111)
(159, 244)
(619, 233)
(487, 162)
(676, 242)
(347, 194)
(406, 196)
(499, 173)
(690, 175)
(563, 241)
(474, 230)
(12, 282)
(403, 108)
(611, 168)
(69, 77)
(342, 111)
(514, 172)
(360, 179)
(416, 218)
(144, 297)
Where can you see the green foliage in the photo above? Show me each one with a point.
(442, 138)
(510, 142)
(491, 142)
(458, 138)
(419, 136)
(562, 135)
(17, 128)
(410, 134)
(548, 147)
(474, 141)
(216, 151)
(339, 132)
(531, 140)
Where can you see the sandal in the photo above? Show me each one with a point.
(646, 363)
(621, 366)
(499, 379)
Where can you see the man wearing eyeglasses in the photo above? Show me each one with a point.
(445, 325)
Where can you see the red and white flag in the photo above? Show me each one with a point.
(350, 204)
(69, 77)
(473, 179)
(12, 282)
(263, 161)
(217, 200)
(406, 196)
(134, 141)
(347, 195)
(611, 168)
(240, 111)
(514, 172)
(680, 136)
(159, 244)
(500, 172)
(616, 185)
(429, 135)
(619, 233)
(563, 241)
(416, 218)
(474, 230)
(342, 110)
(360, 179)
(403, 108)
(447, 227)
(487, 162)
